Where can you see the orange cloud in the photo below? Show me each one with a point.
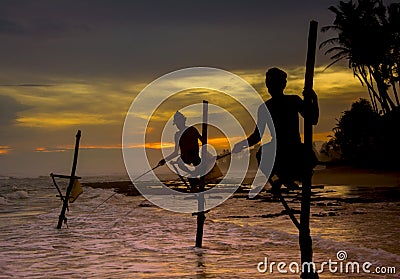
(323, 136)
(116, 146)
(45, 149)
(217, 142)
(63, 148)
(5, 149)
(153, 145)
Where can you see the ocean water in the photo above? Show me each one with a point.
(128, 237)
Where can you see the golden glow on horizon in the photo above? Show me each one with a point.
(63, 148)
(324, 136)
(221, 142)
(5, 149)
(218, 143)
(46, 150)
(153, 145)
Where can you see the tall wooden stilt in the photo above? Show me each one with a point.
(305, 240)
(71, 181)
(200, 212)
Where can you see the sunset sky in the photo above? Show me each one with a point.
(68, 65)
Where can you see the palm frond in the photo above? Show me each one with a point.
(331, 27)
(337, 48)
(330, 41)
(332, 63)
(357, 75)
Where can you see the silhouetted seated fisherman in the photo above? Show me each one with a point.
(186, 139)
(290, 161)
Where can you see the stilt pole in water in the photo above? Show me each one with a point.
(305, 240)
(71, 181)
(200, 214)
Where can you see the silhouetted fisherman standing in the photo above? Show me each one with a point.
(290, 153)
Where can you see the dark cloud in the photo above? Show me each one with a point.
(159, 11)
(10, 27)
(150, 38)
(9, 108)
(40, 28)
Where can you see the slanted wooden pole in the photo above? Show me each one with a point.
(71, 181)
(200, 212)
(305, 240)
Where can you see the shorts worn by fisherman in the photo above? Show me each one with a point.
(289, 166)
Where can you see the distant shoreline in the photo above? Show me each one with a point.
(332, 176)
(345, 175)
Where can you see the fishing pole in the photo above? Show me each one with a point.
(223, 155)
(133, 180)
(140, 176)
(180, 176)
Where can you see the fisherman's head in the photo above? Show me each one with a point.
(275, 80)
(179, 120)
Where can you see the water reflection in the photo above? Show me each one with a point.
(200, 263)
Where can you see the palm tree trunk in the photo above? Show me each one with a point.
(395, 91)
(373, 101)
(364, 79)
(382, 89)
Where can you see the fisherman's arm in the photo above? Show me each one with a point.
(174, 154)
(255, 137)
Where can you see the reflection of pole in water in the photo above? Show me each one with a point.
(201, 265)
(200, 212)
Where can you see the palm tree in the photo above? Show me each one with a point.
(369, 39)
(394, 30)
(357, 137)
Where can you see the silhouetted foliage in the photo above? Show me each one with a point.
(369, 38)
(364, 138)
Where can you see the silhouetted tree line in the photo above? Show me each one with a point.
(368, 36)
(364, 138)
